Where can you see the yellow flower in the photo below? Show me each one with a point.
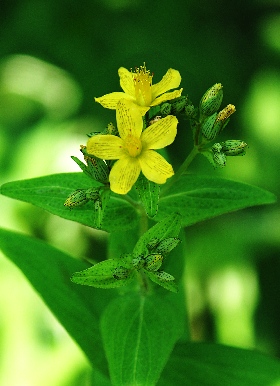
(134, 148)
(138, 88)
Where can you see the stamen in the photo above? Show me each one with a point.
(142, 83)
(133, 145)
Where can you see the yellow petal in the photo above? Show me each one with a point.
(126, 81)
(171, 79)
(154, 167)
(167, 97)
(106, 146)
(124, 174)
(129, 119)
(111, 100)
(160, 134)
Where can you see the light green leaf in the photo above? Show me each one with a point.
(50, 193)
(139, 334)
(198, 198)
(204, 364)
(77, 308)
(149, 194)
(167, 227)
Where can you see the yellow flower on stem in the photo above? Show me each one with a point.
(138, 88)
(134, 149)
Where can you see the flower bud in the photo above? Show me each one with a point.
(190, 111)
(219, 159)
(164, 276)
(223, 118)
(110, 129)
(211, 100)
(121, 273)
(153, 262)
(165, 109)
(178, 104)
(76, 198)
(96, 167)
(92, 194)
(207, 127)
(138, 262)
(234, 147)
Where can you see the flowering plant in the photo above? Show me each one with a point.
(128, 312)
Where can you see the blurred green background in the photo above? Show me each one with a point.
(55, 57)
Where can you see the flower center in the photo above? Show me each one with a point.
(133, 145)
(143, 85)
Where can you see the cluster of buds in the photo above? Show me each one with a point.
(113, 273)
(218, 153)
(98, 170)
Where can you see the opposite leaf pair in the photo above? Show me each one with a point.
(146, 259)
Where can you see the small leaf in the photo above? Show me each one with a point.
(149, 194)
(198, 198)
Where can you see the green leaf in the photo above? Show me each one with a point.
(198, 198)
(77, 308)
(50, 193)
(111, 273)
(204, 364)
(139, 334)
(149, 194)
(167, 227)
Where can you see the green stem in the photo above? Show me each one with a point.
(143, 226)
(182, 169)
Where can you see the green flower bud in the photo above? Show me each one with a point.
(178, 104)
(234, 147)
(223, 118)
(76, 198)
(219, 159)
(153, 243)
(164, 276)
(217, 147)
(138, 262)
(110, 129)
(211, 100)
(153, 262)
(121, 273)
(207, 127)
(190, 111)
(96, 167)
(92, 194)
(165, 109)
(166, 245)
